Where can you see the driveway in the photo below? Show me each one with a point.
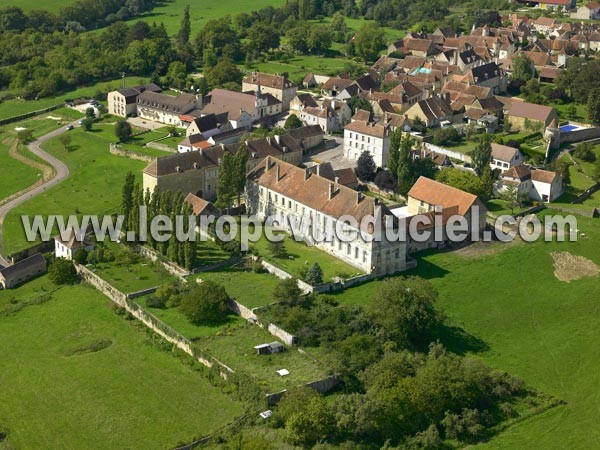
(145, 123)
(61, 172)
(335, 155)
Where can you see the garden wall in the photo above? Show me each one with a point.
(116, 150)
(288, 338)
(148, 319)
(169, 266)
(141, 293)
(450, 153)
(584, 134)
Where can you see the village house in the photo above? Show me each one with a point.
(282, 190)
(308, 137)
(488, 75)
(199, 141)
(340, 88)
(67, 243)
(123, 102)
(201, 207)
(372, 137)
(197, 172)
(313, 80)
(433, 111)
(429, 197)
(505, 157)
(300, 101)
(22, 271)
(241, 109)
(277, 85)
(524, 116)
(331, 115)
(536, 184)
(166, 109)
(589, 11)
(562, 5)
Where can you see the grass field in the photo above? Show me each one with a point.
(535, 326)
(28, 5)
(94, 186)
(133, 277)
(14, 175)
(58, 393)
(299, 255)
(236, 349)
(237, 283)
(10, 108)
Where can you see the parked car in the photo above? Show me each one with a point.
(69, 127)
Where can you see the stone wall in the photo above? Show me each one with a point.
(287, 338)
(584, 134)
(141, 293)
(450, 153)
(169, 266)
(116, 150)
(242, 311)
(158, 146)
(148, 319)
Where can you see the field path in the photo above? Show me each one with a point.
(61, 171)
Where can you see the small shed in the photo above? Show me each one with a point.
(268, 349)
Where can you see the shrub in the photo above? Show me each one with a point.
(204, 303)
(155, 302)
(81, 256)
(62, 271)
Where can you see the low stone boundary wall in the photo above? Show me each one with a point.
(445, 151)
(141, 293)
(230, 262)
(118, 151)
(148, 319)
(584, 134)
(169, 266)
(242, 311)
(287, 338)
(158, 146)
(531, 210)
(587, 194)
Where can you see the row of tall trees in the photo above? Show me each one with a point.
(232, 177)
(159, 203)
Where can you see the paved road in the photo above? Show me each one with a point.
(61, 172)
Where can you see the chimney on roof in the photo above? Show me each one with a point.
(337, 180)
(331, 190)
(319, 169)
(277, 138)
(306, 174)
(269, 140)
(277, 173)
(268, 162)
(359, 197)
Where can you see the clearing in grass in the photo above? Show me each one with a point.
(82, 377)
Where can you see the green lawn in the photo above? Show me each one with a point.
(57, 393)
(236, 349)
(170, 12)
(133, 277)
(300, 255)
(536, 327)
(10, 108)
(28, 5)
(94, 186)
(176, 320)
(209, 253)
(14, 174)
(249, 288)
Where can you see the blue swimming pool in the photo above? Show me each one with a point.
(568, 127)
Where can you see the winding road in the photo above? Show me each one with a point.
(61, 171)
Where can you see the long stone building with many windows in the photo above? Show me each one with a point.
(297, 197)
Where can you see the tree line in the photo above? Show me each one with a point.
(159, 203)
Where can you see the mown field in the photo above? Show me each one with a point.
(15, 107)
(14, 174)
(94, 186)
(529, 324)
(76, 375)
